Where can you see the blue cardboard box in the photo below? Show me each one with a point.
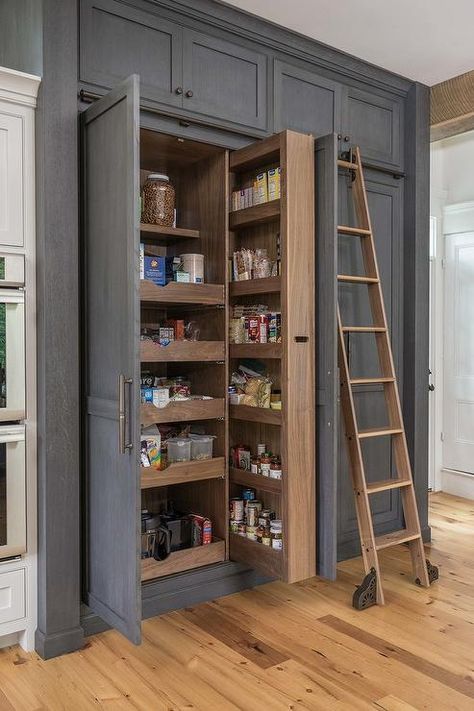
(154, 269)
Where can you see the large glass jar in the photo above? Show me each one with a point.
(158, 201)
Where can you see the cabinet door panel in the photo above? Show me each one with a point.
(11, 179)
(227, 81)
(385, 197)
(373, 123)
(304, 101)
(117, 41)
(112, 331)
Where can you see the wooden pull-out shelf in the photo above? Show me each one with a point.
(256, 481)
(151, 352)
(268, 285)
(255, 215)
(182, 411)
(255, 350)
(264, 415)
(183, 472)
(169, 234)
(258, 556)
(186, 559)
(177, 293)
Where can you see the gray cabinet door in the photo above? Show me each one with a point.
(118, 40)
(111, 199)
(385, 196)
(374, 123)
(224, 80)
(305, 101)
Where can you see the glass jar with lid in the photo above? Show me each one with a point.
(158, 200)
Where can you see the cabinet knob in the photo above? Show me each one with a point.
(178, 90)
(347, 139)
(189, 93)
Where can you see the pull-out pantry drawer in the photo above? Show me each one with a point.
(12, 595)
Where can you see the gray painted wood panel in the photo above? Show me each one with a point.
(374, 123)
(118, 40)
(21, 36)
(112, 318)
(327, 391)
(226, 80)
(385, 196)
(305, 101)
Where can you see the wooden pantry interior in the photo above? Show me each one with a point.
(119, 308)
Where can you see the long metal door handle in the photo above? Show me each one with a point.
(124, 446)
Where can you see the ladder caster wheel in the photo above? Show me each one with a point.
(433, 573)
(366, 594)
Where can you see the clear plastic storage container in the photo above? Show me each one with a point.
(179, 449)
(201, 446)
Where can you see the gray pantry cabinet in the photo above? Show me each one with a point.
(215, 74)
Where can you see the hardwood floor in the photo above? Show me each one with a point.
(285, 646)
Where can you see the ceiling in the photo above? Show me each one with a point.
(425, 40)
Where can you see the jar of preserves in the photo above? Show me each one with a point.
(253, 510)
(158, 201)
(265, 462)
(275, 468)
(254, 465)
(276, 534)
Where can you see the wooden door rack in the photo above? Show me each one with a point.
(370, 592)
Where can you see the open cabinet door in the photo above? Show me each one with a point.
(112, 332)
(327, 391)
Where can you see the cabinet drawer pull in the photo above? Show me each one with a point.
(178, 90)
(123, 419)
(189, 93)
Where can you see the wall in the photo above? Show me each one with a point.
(452, 182)
(21, 45)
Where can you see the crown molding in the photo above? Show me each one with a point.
(18, 87)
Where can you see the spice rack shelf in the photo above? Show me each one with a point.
(182, 411)
(264, 415)
(179, 351)
(255, 215)
(255, 350)
(267, 285)
(167, 233)
(256, 481)
(268, 560)
(182, 473)
(177, 293)
(186, 559)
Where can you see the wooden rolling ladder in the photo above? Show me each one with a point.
(370, 591)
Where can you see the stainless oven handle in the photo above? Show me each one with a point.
(123, 419)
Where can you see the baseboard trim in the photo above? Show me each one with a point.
(184, 590)
(53, 645)
(457, 483)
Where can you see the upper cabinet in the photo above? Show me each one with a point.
(372, 122)
(305, 101)
(178, 67)
(224, 80)
(118, 40)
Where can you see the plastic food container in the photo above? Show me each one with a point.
(201, 446)
(179, 449)
(158, 200)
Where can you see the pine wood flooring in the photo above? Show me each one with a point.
(284, 647)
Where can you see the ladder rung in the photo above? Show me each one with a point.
(370, 381)
(352, 230)
(380, 432)
(387, 485)
(364, 329)
(395, 538)
(357, 279)
(347, 164)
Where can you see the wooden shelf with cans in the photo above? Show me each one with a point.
(227, 411)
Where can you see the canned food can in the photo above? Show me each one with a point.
(234, 526)
(252, 513)
(251, 533)
(236, 509)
